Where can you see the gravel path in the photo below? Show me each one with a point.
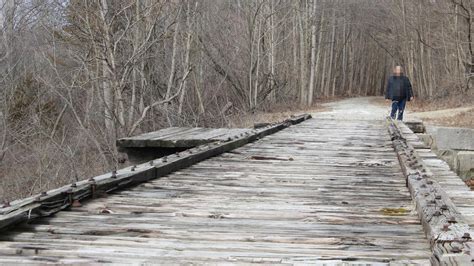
(369, 108)
(361, 108)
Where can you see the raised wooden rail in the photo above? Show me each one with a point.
(447, 230)
(64, 197)
(180, 137)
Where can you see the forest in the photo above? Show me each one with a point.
(76, 75)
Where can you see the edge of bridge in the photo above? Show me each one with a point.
(445, 227)
(53, 201)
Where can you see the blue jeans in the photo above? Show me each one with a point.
(398, 106)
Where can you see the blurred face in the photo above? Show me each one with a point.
(398, 70)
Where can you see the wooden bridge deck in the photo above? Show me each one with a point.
(322, 190)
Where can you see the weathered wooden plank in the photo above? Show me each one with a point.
(180, 137)
(442, 222)
(337, 200)
(62, 198)
(187, 137)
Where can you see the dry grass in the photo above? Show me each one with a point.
(464, 119)
(448, 102)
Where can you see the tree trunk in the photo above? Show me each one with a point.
(313, 55)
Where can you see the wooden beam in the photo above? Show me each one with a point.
(447, 230)
(179, 137)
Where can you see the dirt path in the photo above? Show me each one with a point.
(361, 108)
(374, 108)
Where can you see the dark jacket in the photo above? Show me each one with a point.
(398, 88)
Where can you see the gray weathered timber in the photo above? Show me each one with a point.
(323, 191)
(455, 188)
(59, 199)
(180, 137)
(446, 228)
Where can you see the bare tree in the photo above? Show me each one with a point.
(76, 75)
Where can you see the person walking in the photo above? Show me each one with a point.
(399, 91)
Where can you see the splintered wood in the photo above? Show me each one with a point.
(341, 198)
